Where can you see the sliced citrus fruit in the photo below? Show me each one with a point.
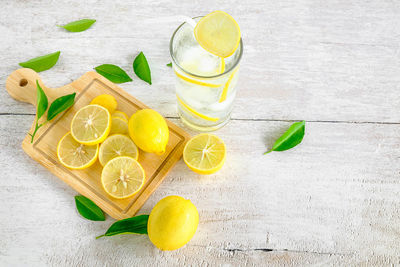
(195, 112)
(120, 114)
(117, 145)
(198, 82)
(118, 125)
(218, 33)
(205, 153)
(224, 93)
(107, 101)
(122, 177)
(74, 155)
(222, 66)
(91, 125)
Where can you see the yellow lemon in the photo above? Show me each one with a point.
(91, 125)
(117, 145)
(218, 33)
(74, 155)
(172, 223)
(118, 125)
(107, 101)
(205, 153)
(120, 114)
(149, 130)
(122, 177)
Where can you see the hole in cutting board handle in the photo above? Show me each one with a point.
(23, 82)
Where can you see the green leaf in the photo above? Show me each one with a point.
(113, 73)
(59, 105)
(169, 64)
(42, 63)
(88, 209)
(141, 68)
(79, 25)
(291, 138)
(134, 225)
(42, 102)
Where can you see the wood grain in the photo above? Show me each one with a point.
(21, 85)
(332, 201)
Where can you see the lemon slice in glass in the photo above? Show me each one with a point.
(218, 33)
(122, 177)
(91, 125)
(205, 153)
(118, 126)
(117, 145)
(120, 114)
(74, 155)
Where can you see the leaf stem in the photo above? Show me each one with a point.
(97, 237)
(37, 127)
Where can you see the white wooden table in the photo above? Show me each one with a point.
(333, 200)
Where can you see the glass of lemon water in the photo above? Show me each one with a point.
(205, 82)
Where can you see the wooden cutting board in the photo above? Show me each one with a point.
(21, 85)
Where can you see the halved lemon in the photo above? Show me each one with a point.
(117, 145)
(107, 101)
(205, 153)
(120, 114)
(218, 33)
(91, 125)
(122, 177)
(118, 125)
(74, 155)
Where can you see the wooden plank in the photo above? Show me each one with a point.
(326, 61)
(87, 181)
(336, 193)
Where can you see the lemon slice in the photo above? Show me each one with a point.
(205, 153)
(195, 112)
(74, 155)
(218, 33)
(91, 125)
(122, 177)
(118, 125)
(107, 101)
(115, 146)
(120, 114)
(198, 82)
(224, 93)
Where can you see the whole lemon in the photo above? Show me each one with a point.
(149, 130)
(172, 223)
(107, 101)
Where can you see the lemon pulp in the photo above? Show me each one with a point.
(205, 153)
(115, 146)
(74, 155)
(218, 33)
(122, 177)
(91, 125)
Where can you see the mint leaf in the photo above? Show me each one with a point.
(134, 225)
(113, 73)
(42, 63)
(79, 25)
(59, 105)
(41, 101)
(291, 138)
(169, 64)
(141, 68)
(88, 209)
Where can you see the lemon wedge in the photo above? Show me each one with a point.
(115, 146)
(205, 153)
(218, 33)
(74, 155)
(122, 177)
(91, 125)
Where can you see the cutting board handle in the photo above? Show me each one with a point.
(21, 85)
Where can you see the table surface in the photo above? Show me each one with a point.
(332, 200)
